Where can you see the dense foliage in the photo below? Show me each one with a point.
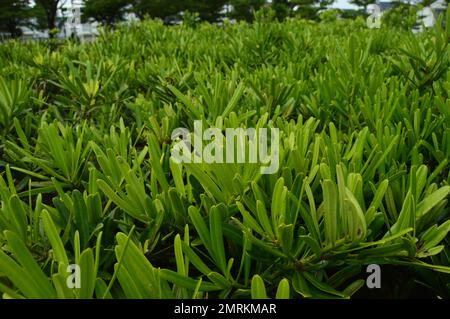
(86, 175)
(51, 15)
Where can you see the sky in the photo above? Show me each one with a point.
(343, 4)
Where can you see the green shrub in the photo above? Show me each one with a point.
(86, 175)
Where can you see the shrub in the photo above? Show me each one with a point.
(87, 178)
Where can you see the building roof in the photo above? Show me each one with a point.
(439, 5)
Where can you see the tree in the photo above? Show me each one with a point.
(282, 8)
(330, 15)
(362, 3)
(13, 15)
(158, 8)
(309, 9)
(107, 12)
(244, 9)
(50, 12)
(208, 10)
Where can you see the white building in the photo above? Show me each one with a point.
(428, 15)
(68, 23)
(70, 15)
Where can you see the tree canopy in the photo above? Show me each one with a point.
(107, 12)
(13, 15)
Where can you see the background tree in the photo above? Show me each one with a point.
(309, 9)
(13, 15)
(244, 9)
(49, 10)
(362, 3)
(282, 8)
(208, 10)
(106, 12)
(158, 8)
(330, 15)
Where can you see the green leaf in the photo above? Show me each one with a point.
(177, 173)
(278, 204)
(18, 217)
(312, 244)
(249, 221)
(263, 218)
(88, 274)
(131, 209)
(155, 162)
(217, 245)
(192, 110)
(207, 182)
(179, 259)
(195, 259)
(434, 235)
(354, 287)
(258, 288)
(301, 286)
(186, 282)
(201, 228)
(330, 215)
(407, 216)
(322, 286)
(37, 277)
(234, 99)
(283, 290)
(286, 237)
(357, 217)
(19, 277)
(432, 200)
(219, 280)
(59, 251)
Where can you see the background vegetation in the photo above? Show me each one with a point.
(50, 15)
